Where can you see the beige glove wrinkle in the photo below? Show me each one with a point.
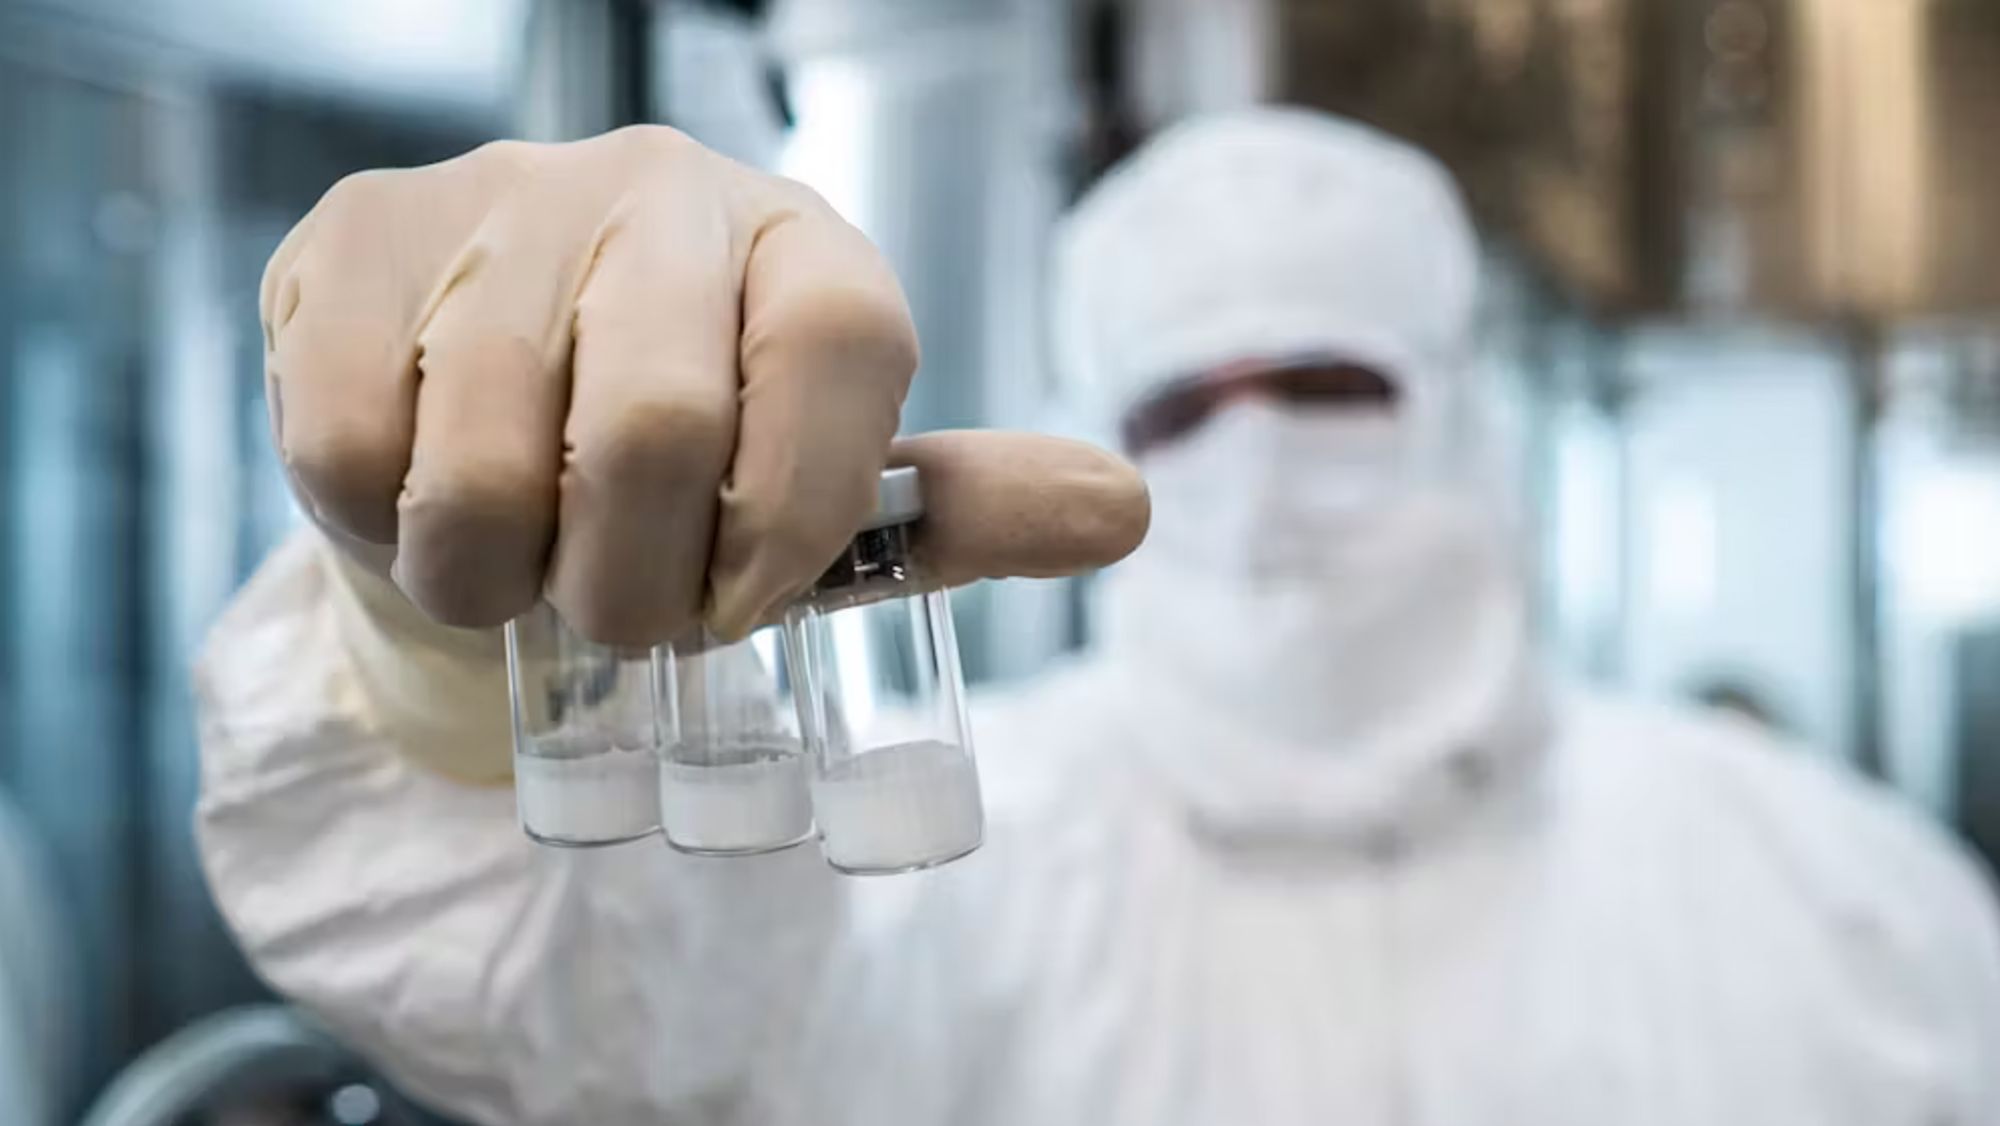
(652, 424)
(440, 693)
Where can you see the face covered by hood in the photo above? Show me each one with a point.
(1331, 590)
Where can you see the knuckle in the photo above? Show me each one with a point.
(472, 557)
(647, 143)
(483, 171)
(496, 502)
(505, 152)
(348, 477)
(322, 252)
(344, 464)
(662, 440)
(799, 196)
(354, 190)
(846, 325)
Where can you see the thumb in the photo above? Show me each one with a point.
(1003, 505)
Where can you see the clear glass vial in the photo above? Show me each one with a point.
(589, 722)
(734, 777)
(882, 702)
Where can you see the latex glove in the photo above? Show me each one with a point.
(637, 378)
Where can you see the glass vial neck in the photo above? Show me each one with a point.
(876, 563)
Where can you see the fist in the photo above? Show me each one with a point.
(636, 379)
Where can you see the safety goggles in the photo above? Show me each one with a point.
(1182, 405)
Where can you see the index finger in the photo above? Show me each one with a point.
(826, 356)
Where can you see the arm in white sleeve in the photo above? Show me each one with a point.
(1969, 965)
(1926, 928)
(360, 839)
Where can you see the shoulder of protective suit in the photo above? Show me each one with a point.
(1856, 850)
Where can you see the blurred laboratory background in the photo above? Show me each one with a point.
(1744, 300)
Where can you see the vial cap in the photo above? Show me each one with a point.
(899, 499)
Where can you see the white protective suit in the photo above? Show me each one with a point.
(1306, 839)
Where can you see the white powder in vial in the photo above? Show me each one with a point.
(750, 799)
(582, 790)
(904, 806)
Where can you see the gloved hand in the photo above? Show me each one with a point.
(633, 377)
